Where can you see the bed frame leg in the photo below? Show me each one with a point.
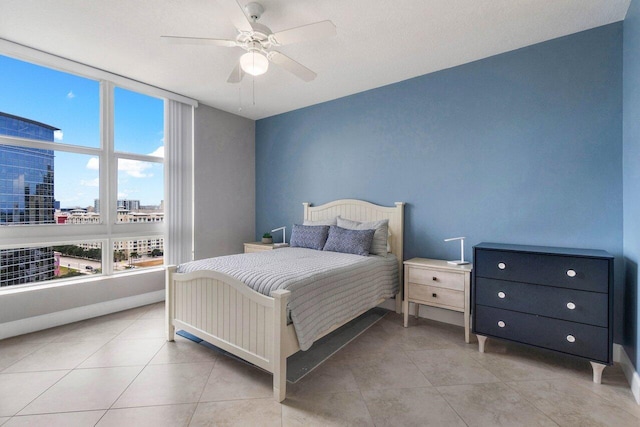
(279, 356)
(169, 303)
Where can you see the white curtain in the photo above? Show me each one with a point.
(178, 202)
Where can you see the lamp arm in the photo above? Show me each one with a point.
(284, 233)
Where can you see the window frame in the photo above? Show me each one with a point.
(107, 230)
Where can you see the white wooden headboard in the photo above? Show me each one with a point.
(359, 210)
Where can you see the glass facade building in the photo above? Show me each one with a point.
(26, 197)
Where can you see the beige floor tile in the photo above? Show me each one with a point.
(44, 336)
(149, 416)
(493, 404)
(166, 385)
(93, 331)
(231, 380)
(70, 419)
(10, 353)
(84, 390)
(339, 409)
(450, 367)
(124, 353)
(183, 350)
(155, 311)
(144, 328)
(518, 366)
(330, 377)
(615, 389)
(570, 404)
(18, 390)
(52, 356)
(373, 340)
(410, 407)
(386, 370)
(241, 413)
(4, 420)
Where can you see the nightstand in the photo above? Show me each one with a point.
(437, 283)
(259, 247)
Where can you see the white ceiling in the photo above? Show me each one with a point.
(379, 41)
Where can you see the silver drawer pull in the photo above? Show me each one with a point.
(571, 306)
(501, 294)
(501, 324)
(502, 265)
(571, 273)
(571, 338)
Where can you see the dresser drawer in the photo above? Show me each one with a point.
(560, 303)
(587, 274)
(433, 295)
(590, 342)
(433, 277)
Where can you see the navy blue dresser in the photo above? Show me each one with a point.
(554, 298)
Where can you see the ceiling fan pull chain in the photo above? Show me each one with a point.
(253, 90)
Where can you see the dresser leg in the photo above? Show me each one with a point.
(597, 371)
(481, 341)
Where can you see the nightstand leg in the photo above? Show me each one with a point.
(597, 371)
(405, 312)
(417, 309)
(481, 341)
(466, 327)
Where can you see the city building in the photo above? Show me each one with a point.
(26, 197)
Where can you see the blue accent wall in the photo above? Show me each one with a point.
(631, 179)
(523, 147)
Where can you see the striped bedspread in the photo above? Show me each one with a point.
(326, 287)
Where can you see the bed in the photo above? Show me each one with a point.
(226, 312)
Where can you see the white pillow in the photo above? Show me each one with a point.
(328, 221)
(379, 244)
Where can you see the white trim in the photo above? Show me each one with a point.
(620, 356)
(25, 53)
(45, 321)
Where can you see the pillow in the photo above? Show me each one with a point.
(356, 242)
(328, 221)
(312, 237)
(379, 244)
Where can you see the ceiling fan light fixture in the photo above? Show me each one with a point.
(254, 63)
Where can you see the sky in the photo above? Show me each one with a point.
(72, 104)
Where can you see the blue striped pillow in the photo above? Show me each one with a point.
(309, 236)
(356, 242)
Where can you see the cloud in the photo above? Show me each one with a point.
(91, 182)
(57, 135)
(159, 152)
(93, 164)
(71, 95)
(134, 168)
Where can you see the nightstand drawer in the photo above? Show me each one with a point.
(587, 341)
(434, 295)
(566, 304)
(437, 278)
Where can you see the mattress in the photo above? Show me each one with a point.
(327, 288)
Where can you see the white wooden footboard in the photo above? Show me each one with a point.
(225, 312)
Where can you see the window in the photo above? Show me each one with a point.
(65, 140)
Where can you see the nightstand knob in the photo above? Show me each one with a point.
(571, 273)
(434, 295)
(501, 324)
(571, 306)
(502, 265)
(571, 338)
(501, 294)
(434, 278)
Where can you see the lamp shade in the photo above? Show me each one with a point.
(254, 63)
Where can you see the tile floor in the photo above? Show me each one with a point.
(117, 370)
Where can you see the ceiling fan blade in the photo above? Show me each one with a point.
(316, 31)
(235, 14)
(292, 66)
(236, 75)
(199, 40)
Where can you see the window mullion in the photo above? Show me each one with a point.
(108, 172)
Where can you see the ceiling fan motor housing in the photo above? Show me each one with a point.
(254, 10)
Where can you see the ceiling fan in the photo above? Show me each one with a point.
(258, 41)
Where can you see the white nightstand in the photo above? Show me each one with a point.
(259, 247)
(436, 283)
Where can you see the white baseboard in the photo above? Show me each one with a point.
(620, 356)
(45, 321)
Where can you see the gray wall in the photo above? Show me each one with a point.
(523, 147)
(224, 182)
(631, 179)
